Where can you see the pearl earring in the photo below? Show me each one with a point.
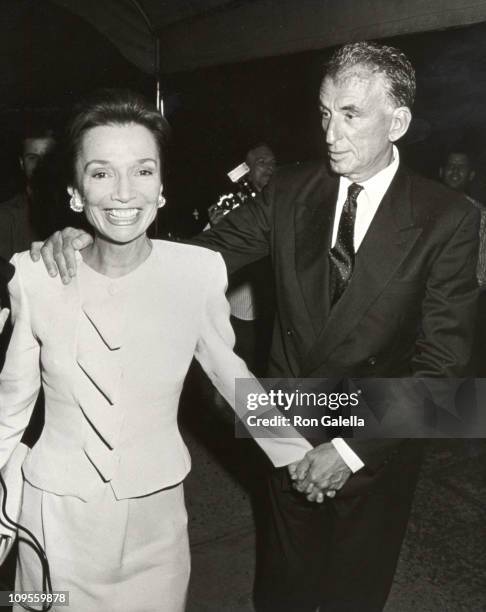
(76, 202)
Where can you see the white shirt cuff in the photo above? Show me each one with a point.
(348, 455)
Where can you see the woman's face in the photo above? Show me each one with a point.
(118, 178)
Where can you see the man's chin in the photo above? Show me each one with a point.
(337, 167)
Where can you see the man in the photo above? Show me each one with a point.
(374, 271)
(261, 161)
(23, 220)
(17, 215)
(249, 293)
(457, 173)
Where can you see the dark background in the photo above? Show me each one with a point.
(49, 58)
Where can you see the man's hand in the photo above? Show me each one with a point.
(215, 214)
(300, 468)
(321, 472)
(3, 318)
(58, 252)
(297, 465)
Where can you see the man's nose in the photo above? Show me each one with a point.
(331, 129)
(123, 190)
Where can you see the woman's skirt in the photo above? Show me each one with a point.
(129, 555)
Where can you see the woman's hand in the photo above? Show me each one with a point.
(298, 471)
(59, 252)
(321, 473)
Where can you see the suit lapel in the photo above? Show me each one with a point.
(388, 241)
(314, 216)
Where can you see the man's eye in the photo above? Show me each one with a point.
(349, 116)
(100, 174)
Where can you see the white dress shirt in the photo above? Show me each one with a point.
(368, 202)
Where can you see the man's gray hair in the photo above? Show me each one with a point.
(390, 62)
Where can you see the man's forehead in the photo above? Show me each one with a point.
(355, 80)
(37, 146)
(458, 159)
(264, 153)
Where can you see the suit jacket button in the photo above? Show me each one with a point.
(372, 360)
(289, 332)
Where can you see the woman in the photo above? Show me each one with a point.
(103, 488)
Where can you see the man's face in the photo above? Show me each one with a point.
(357, 117)
(456, 173)
(262, 165)
(34, 150)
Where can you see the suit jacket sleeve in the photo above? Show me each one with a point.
(20, 377)
(242, 236)
(214, 351)
(444, 347)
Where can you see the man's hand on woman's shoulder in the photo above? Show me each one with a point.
(58, 252)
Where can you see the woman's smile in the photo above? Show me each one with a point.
(122, 216)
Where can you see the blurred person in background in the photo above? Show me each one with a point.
(19, 215)
(250, 290)
(457, 173)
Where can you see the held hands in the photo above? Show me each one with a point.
(321, 473)
(59, 252)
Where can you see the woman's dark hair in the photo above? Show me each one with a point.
(112, 107)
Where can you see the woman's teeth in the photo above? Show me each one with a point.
(122, 214)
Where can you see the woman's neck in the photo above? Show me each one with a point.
(114, 259)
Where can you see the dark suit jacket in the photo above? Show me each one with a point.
(410, 307)
(6, 273)
(16, 228)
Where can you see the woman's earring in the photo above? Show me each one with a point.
(76, 202)
(160, 201)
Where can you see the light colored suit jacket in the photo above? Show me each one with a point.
(112, 355)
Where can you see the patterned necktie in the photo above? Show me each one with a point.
(342, 253)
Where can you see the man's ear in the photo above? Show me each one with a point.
(401, 118)
(21, 163)
(441, 172)
(472, 174)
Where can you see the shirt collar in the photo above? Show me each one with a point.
(376, 186)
